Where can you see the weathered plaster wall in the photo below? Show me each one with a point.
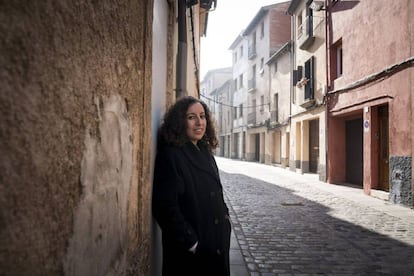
(379, 43)
(411, 31)
(100, 226)
(75, 129)
(382, 28)
(161, 73)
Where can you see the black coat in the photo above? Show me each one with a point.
(188, 204)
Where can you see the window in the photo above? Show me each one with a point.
(275, 113)
(339, 61)
(252, 46)
(275, 67)
(235, 57)
(261, 104)
(235, 112)
(254, 41)
(300, 73)
(241, 51)
(262, 30)
(261, 66)
(309, 76)
(275, 101)
(241, 81)
(252, 82)
(241, 110)
(235, 84)
(300, 25)
(336, 60)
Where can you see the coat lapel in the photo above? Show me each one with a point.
(201, 159)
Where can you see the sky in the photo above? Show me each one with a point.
(224, 24)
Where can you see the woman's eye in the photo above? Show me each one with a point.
(190, 117)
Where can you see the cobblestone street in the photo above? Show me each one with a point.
(291, 224)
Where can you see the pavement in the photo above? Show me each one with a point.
(285, 223)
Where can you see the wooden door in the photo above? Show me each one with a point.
(354, 151)
(257, 147)
(313, 146)
(383, 152)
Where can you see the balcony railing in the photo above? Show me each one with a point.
(251, 118)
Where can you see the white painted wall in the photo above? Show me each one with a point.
(158, 103)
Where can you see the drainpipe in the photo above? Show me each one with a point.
(181, 69)
(328, 38)
(292, 66)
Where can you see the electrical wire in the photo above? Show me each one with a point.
(224, 104)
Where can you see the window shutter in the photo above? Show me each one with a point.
(295, 77)
(300, 74)
(309, 74)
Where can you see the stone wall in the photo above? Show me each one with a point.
(75, 131)
(401, 180)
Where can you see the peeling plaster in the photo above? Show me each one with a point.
(100, 233)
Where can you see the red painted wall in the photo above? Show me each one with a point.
(374, 36)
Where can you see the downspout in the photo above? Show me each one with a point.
(181, 72)
(328, 38)
(292, 66)
(196, 72)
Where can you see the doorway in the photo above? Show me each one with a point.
(383, 151)
(257, 147)
(354, 151)
(287, 149)
(277, 140)
(313, 146)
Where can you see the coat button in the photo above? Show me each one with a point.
(212, 194)
(218, 252)
(216, 221)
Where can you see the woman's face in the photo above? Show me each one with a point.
(196, 122)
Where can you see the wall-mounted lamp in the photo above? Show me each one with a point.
(317, 6)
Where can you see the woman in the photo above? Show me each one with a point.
(188, 199)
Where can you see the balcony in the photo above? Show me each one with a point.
(252, 51)
(251, 118)
(305, 33)
(251, 85)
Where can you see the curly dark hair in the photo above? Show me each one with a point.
(173, 129)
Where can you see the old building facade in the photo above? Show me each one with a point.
(240, 65)
(308, 152)
(266, 34)
(210, 83)
(370, 95)
(280, 108)
(81, 100)
(348, 113)
(224, 118)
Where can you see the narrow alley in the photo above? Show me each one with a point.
(291, 224)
